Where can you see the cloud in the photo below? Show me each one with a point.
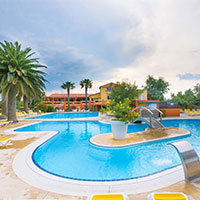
(189, 76)
(108, 40)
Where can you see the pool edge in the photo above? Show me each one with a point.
(26, 170)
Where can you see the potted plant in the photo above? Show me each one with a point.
(102, 112)
(123, 114)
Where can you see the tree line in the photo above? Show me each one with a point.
(156, 90)
(189, 98)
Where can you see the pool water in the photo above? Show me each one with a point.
(67, 115)
(69, 154)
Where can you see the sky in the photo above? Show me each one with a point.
(108, 40)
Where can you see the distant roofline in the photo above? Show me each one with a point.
(107, 85)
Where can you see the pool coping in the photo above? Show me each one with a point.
(26, 170)
(67, 119)
(60, 119)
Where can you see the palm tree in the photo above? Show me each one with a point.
(87, 83)
(4, 103)
(68, 85)
(4, 100)
(35, 92)
(17, 72)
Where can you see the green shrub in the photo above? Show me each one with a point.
(102, 111)
(20, 105)
(50, 108)
(43, 107)
(122, 111)
(93, 108)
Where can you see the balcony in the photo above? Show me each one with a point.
(75, 103)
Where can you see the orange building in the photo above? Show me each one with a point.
(95, 101)
(77, 101)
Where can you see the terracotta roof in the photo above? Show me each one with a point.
(108, 85)
(65, 95)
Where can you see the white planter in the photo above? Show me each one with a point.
(119, 129)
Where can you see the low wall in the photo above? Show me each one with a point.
(170, 112)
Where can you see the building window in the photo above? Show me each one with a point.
(108, 97)
(108, 89)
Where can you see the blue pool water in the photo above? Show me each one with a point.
(67, 115)
(69, 153)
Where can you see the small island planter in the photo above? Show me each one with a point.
(119, 129)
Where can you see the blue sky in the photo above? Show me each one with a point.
(108, 40)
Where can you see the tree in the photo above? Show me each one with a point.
(189, 98)
(197, 94)
(180, 98)
(124, 90)
(18, 73)
(68, 85)
(156, 88)
(87, 83)
(35, 92)
(4, 103)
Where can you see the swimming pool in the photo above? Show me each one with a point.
(67, 115)
(70, 155)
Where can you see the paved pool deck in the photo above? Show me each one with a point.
(11, 187)
(150, 134)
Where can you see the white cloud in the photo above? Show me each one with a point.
(49, 92)
(109, 40)
(173, 34)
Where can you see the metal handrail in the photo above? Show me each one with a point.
(161, 113)
(151, 113)
(156, 109)
(143, 108)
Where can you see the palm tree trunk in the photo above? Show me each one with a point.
(68, 98)
(26, 108)
(86, 98)
(12, 103)
(5, 104)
